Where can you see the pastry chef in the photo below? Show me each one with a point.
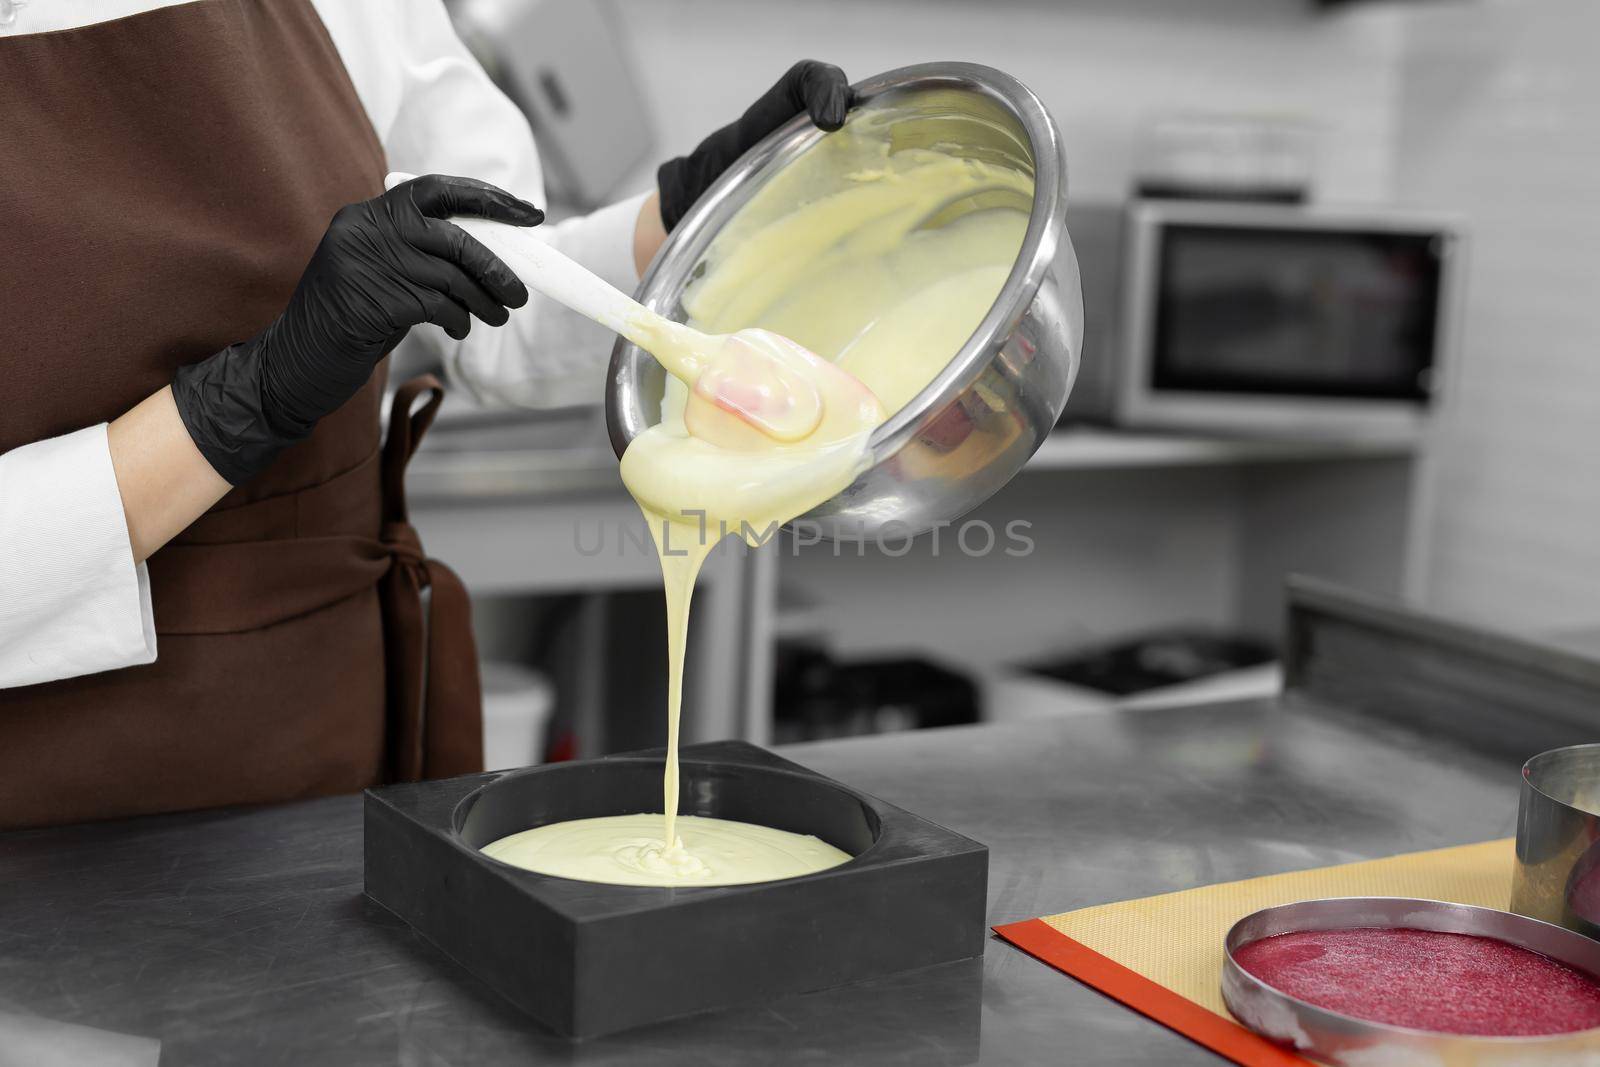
(209, 593)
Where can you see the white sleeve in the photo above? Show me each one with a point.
(436, 111)
(71, 600)
(546, 355)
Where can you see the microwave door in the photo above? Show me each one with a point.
(1251, 327)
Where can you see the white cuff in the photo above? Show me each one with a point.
(72, 602)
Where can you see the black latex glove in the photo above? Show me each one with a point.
(384, 266)
(818, 89)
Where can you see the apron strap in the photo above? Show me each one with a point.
(435, 703)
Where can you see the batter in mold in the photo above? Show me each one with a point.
(628, 850)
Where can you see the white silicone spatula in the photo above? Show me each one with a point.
(739, 382)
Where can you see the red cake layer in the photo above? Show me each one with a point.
(1447, 983)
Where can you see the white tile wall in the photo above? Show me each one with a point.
(1500, 121)
(1104, 68)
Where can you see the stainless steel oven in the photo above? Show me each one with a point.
(1259, 318)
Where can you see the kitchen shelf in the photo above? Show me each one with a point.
(520, 459)
(1085, 448)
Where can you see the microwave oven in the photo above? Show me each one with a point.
(1263, 319)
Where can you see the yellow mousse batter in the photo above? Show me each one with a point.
(626, 850)
(882, 259)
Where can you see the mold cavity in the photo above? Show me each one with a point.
(765, 797)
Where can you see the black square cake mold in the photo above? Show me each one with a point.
(588, 959)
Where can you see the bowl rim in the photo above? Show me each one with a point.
(1040, 242)
(1356, 1024)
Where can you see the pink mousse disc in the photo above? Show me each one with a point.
(1423, 980)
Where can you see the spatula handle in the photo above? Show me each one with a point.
(563, 280)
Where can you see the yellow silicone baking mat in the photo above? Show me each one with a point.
(1162, 955)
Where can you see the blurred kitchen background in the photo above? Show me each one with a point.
(1339, 269)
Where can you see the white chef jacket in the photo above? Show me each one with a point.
(71, 600)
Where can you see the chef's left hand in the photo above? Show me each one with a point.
(818, 89)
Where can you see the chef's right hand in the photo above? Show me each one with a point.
(384, 266)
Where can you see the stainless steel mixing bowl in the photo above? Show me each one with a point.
(976, 424)
(1558, 840)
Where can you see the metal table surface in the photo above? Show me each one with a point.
(242, 937)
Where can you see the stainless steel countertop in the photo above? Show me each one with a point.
(242, 937)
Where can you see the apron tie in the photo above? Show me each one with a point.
(401, 539)
(435, 703)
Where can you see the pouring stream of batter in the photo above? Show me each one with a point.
(883, 262)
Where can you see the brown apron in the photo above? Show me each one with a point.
(164, 179)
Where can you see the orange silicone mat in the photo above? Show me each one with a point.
(1162, 955)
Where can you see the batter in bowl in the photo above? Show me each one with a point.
(883, 260)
